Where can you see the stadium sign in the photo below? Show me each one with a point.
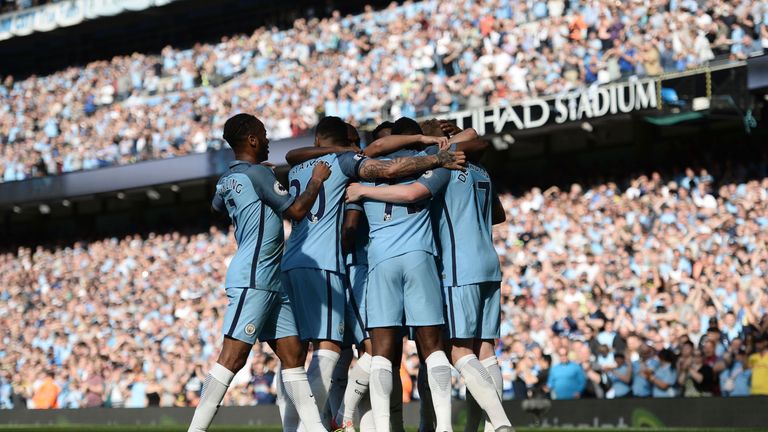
(579, 105)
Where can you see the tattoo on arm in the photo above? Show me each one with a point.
(401, 167)
(443, 158)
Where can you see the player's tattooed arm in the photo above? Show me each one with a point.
(499, 215)
(303, 202)
(372, 169)
(393, 143)
(349, 230)
(303, 154)
(397, 194)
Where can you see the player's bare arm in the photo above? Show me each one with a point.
(349, 230)
(498, 215)
(397, 194)
(463, 135)
(469, 142)
(403, 167)
(393, 143)
(303, 154)
(304, 202)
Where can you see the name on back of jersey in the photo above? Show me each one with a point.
(230, 183)
(308, 164)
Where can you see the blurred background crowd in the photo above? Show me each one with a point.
(647, 286)
(410, 60)
(17, 5)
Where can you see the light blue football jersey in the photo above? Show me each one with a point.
(315, 241)
(396, 229)
(255, 201)
(463, 219)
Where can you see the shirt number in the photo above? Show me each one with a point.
(312, 217)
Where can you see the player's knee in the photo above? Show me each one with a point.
(384, 350)
(430, 339)
(291, 352)
(460, 348)
(234, 354)
(486, 349)
(234, 361)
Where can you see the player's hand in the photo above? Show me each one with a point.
(452, 160)
(321, 171)
(354, 192)
(449, 128)
(440, 142)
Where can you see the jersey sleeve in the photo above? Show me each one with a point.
(350, 163)
(435, 180)
(353, 206)
(218, 203)
(433, 149)
(269, 189)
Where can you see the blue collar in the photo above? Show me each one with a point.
(237, 162)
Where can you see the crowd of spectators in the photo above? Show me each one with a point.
(405, 60)
(17, 5)
(651, 288)
(658, 288)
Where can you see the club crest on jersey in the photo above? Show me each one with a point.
(341, 328)
(250, 329)
(279, 189)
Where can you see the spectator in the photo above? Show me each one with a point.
(46, 393)
(695, 378)
(664, 378)
(620, 377)
(566, 379)
(138, 392)
(262, 381)
(642, 370)
(735, 378)
(758, 363)
(6, 390)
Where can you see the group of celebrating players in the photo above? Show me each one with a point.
(388, 242)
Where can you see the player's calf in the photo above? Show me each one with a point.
(383, 340)
(339, 380)
(438, 374)
(357, 385)
(232, 358)
(292, 354)
(320, 372)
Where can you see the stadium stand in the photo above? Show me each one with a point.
(434, 57)
(16, 5)
(641, 266)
